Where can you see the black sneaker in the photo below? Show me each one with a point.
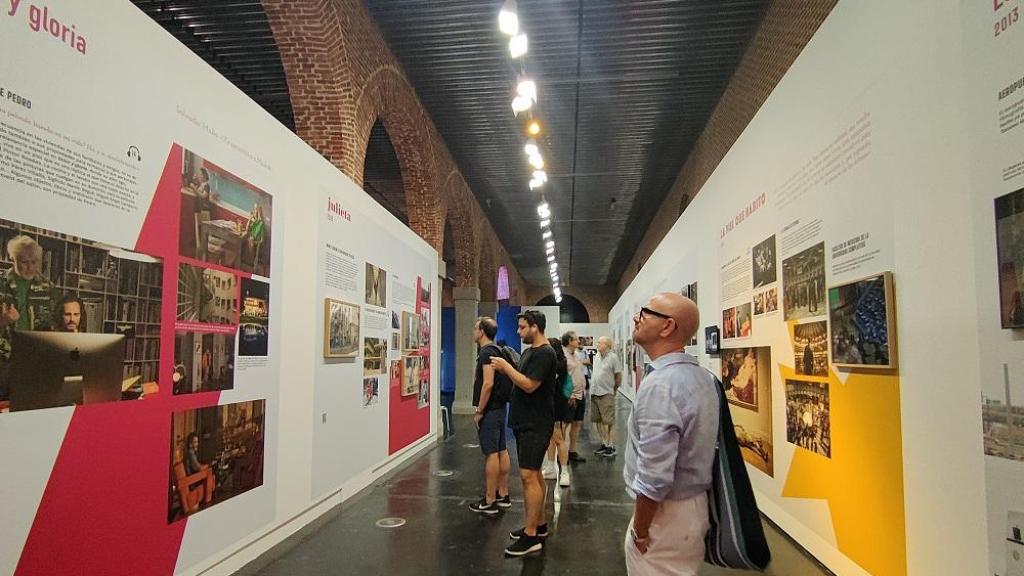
(542, 532)
(524, 545)
(504, 502)
(575, 457)
(482, 507)
(601, 449)
(608, 452)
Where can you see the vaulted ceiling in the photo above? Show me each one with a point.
(625, 87)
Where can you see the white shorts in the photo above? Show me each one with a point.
(677, 540)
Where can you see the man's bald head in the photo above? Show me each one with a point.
(683, 310)
(604, 344)
(666, 323)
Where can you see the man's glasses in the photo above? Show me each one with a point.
(645, 311)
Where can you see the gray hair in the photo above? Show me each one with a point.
(19, 244)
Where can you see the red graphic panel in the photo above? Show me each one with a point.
(407, 422)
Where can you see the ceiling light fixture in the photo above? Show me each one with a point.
(508, 20)
(521, 104)
(545, 223)
(549, 251)
(554, 265)
(546, 234)
(527, 88)
(534, 184)
(534, 128)
(543, 210)
(518, 45)
(551, 257)
(549, 244)
(540, 176)
(536, 161)
(531, 147)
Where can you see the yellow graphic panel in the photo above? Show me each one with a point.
(862, 481)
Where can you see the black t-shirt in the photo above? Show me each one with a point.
(501, 381)
(535, 410)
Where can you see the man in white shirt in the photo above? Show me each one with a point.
(605, 380)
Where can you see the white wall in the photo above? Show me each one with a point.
(899, 63)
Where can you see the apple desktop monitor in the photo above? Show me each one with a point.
(51, 369)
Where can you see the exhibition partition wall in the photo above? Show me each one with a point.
(203, 344)
(831, 256)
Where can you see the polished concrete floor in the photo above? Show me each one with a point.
(442, 536)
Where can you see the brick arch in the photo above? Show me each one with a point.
(388, 97)
(487, 274)
(309, 37)
(465, 232)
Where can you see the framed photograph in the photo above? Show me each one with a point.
(808, 420)
(810, 348)
(711, 340)
(766, 302)
(376, 286)
(763, 262)
(371, 391)
(803, 284)
(1010, 250)
(411, 331)
(411, 375)
(743, 371)
(375, 352)
(341, 329)
(862, 317)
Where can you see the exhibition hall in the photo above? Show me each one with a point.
(603, 287)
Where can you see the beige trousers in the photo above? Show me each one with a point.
(677, 540)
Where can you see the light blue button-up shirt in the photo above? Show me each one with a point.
(673, 431)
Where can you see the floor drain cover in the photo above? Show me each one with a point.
(444, 473)
(390, 522)
(470, 445)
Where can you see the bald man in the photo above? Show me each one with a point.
(671, 446)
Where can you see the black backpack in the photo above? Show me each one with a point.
(561, 367)
(502, 391)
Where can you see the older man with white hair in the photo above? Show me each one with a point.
(605, 379)
(26, 299)
(671, 448)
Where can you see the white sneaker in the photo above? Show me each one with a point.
(563, 478)
(549, 470)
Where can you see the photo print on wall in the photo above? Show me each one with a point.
(254, 323)
(371, 391)
(810, 348)
(862, 320)
(203, 362)
(808, 422)
(341, 329)
(711, 336)
(376, 286)
(763, 262)
(224, 220)
(411, 375)
(216, 454)
(747, 378)
(206, 296)
(375, 353)
(737, 322)
(803, 283)
(97, 297)
(741, 370)
(1010, 252)
(411, 331)
(766, 302)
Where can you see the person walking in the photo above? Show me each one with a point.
(532, 418)
(578, 399)
(670, 452)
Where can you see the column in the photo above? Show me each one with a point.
(467, 302)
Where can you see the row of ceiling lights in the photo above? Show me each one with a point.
(523, 101)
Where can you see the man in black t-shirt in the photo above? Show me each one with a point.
(532, 418)
(490, 397)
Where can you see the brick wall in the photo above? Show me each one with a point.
(342, 78)
(597, 299)
(786, 28)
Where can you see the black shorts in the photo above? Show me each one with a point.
(580, 410)
(492, 431)
(563, 412)
(532, 446)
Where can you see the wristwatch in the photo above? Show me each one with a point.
(636, 537)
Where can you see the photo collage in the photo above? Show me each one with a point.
(747, 380)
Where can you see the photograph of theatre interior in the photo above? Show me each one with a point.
(97, 300)
(861, 316)
(254, 323)
(810, 348)
(203, 362)
(803, 281)
(808, 419)
(224, 219)
(216, 454)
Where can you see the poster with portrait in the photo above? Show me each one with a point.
(862, 319)
(763, 262)
(810, 348)
(742, 371)
(341, 329)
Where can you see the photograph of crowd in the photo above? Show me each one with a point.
(742, 371)
(203, 362)
(810, 348)
(375, 352)
(376, 286)
(861, 315)
(1010, 251)
(808, 424)
(766, 302)
(411, 366)
(803, 283)
(424, 396)
(254, 323)
(371, 391)
(216, 454)
(61, 293)
(224, 219)
(206, 296)
(763, 262)
(341, 329)
(737, 322)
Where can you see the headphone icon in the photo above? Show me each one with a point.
(133, 152)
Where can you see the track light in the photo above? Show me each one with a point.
(545, 223)
(549, 251)
(521, 104)
(536, 161)
(527, 88)
(554, 265)
(531, 147)
(549, 244)
(508, 20)
(534, 184)
(518, 45)
(534, 128)
(543, 210)
(551, 257)
(546, 234)
(540, 176)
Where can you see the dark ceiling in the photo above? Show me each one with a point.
(624, 90)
